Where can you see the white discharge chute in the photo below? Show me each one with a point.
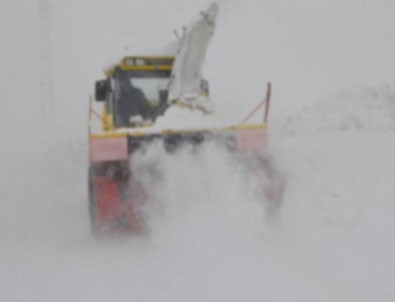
(185, 86)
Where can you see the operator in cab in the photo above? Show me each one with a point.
(133, 107)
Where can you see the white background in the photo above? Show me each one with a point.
(332, 133)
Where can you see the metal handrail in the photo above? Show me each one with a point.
(266, 102)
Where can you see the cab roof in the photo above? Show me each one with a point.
(142, 63)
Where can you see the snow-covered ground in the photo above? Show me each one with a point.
(332, 135)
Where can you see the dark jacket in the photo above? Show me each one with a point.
(132, 102)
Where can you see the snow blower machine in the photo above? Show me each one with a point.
(142, 96)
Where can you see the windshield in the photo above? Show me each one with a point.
(151, 88)
(139, 93)
(151, 83)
